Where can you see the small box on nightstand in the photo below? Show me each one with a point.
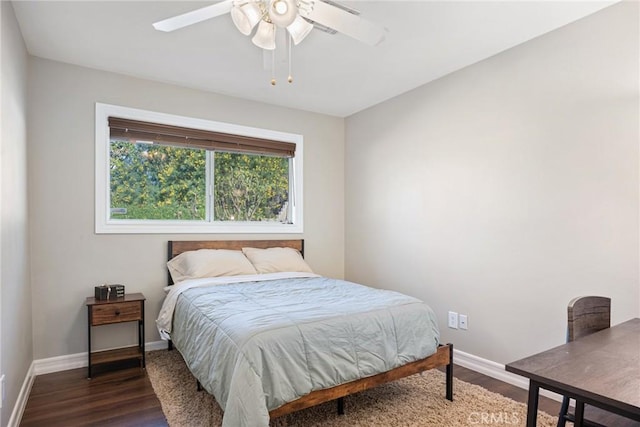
(107, 292)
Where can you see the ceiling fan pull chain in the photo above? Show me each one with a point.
(290, 78)
(273, 67)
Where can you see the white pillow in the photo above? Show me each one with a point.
(274, 260)
(209, 263)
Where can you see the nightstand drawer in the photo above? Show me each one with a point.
(116, 312)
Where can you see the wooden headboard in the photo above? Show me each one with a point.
(176, 247)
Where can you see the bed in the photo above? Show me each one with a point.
(276, 342)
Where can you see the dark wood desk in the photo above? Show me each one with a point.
(601, 369)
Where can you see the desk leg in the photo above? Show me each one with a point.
(579, 415)
(532, 404)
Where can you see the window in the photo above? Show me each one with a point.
(160, 173)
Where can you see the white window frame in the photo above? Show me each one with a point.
(105, 225)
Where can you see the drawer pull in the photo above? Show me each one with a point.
(117, 312)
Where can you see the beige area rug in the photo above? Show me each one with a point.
(413, 401)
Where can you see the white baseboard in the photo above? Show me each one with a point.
(21, 402)
(497, 371)
(79, 360)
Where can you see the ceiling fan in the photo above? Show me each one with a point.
(297, 17)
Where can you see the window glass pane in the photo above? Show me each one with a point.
(250, 188)
(157, 182)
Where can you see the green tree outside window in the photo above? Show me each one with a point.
(161, 182)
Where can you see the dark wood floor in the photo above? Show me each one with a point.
(119, 398)
(125, 398)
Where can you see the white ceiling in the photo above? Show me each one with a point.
(333, 74)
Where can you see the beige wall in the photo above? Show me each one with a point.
(15, 292)
(68, 259)
(505, 189)
(500, 191)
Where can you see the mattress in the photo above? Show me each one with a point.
(270, 339)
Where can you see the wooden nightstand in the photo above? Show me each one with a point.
(129, 308)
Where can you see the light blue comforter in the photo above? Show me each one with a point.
(258, 345)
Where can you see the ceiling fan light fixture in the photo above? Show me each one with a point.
(246, 17)
(299, 29)
(265, 36)
(297, 17)
(282, 12)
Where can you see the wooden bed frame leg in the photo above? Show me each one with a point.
(450, 374)
(340, 405)
(198, 385)
(169, 345)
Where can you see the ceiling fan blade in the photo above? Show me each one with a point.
(344, 22)
(195, 16)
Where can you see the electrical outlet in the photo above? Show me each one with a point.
(463, 322)
(453, 320)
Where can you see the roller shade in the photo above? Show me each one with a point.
(135, 130)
